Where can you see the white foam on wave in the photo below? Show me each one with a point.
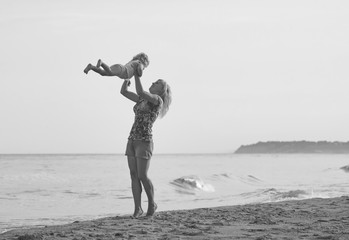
(191, 184)
(274, 195)
(281, 195)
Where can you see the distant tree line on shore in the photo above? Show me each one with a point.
(324, 147)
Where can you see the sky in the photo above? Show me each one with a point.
(240, 72)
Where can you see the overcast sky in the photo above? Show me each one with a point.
(240, 72)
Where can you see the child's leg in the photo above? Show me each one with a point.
(104, 72)
(98, 65)
(87, 68)
(95, 69)
(106, 68)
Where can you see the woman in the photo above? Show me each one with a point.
(149, 105)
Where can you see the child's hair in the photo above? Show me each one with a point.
(166, 97)
(143, 58)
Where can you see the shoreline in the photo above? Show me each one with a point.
(315, 218)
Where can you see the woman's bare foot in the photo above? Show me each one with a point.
(151, 209)
(99, 63)
(88, 68)
(138, 213)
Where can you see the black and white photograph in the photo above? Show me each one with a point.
(186, 119)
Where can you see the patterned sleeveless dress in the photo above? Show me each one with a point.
(145, 115)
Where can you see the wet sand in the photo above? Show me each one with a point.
(304, 219)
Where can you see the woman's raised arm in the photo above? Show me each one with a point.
(153, 98)
(126, 93)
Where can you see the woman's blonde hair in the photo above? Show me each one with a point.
(166, 97)
(143, 58)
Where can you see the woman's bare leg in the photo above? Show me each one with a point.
(136, 186)
(142, 167)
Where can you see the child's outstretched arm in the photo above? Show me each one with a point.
(126, 93)
(139, 70)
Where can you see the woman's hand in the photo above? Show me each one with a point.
(130, 95)
(153, 98)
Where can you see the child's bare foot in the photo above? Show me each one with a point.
(138, 213)
(151, 210)
(99, 63)
(88, 68)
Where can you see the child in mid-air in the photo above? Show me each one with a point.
(127, 71)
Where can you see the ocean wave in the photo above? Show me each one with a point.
(288, 195)
(191, 184)
(274, 195)
(246, 179)
(345, 168)
(250, 179)
(223, 176)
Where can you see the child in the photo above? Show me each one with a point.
(127, 71)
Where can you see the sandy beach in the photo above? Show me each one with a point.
(303, 219)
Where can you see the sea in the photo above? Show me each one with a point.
(42, 190)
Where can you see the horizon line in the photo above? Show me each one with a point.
(183, 153)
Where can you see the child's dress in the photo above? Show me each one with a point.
(128, 70)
